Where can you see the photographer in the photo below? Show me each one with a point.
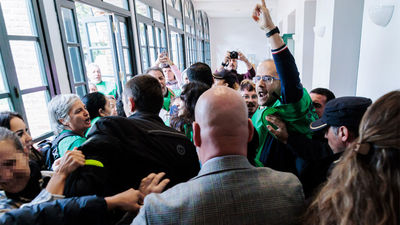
(230, 63)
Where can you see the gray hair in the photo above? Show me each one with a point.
(59, 108)
(7, 135)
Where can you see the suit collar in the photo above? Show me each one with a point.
(146, 116)
(224, 163)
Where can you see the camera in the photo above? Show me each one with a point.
(233, 55)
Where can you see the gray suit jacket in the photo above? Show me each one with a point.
(228, 190)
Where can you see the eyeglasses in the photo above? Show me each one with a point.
(265, 78)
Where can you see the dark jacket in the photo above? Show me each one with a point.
(130, 149)
(84, 210)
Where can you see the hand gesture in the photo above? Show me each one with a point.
(69, 162)
(129, 200)
(281, 132)
(152, 184)
(262, 16)
(242, 57)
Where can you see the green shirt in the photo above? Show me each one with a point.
(297, 117)
(107, 88)
(69, 143)
(167, 100)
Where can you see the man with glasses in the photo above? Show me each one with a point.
(280, 93)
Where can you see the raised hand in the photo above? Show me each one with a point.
(69, 162)
(128, 200)
(262, 16)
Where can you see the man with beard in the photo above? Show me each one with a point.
(280, 93)
(231, 63)
(249, 94)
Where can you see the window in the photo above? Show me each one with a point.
(97, 35)
(25, 79)
(175, 21)
(152, 34)
(190, 35)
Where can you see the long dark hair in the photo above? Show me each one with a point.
(190, 94)
(364, 187)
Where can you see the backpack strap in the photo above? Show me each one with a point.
(56, 140)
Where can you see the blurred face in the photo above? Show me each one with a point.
(79, 120)
(94, 75)
(220, 82)
(18, 127)
(113, 106)
(232, 64)
(181, 106)
(92, 88)
(169, 74)
(251, 99)
(160, 77)
(107, 108)
(265, 89)
(185, 78)
(14, 168)
(319, 102)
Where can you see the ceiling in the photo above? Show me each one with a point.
(230, 8)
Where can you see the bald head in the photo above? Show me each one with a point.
(222, 126)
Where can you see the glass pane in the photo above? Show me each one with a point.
(144, 58)
(3, 85)
(81, 91)
(150, 35)
(158, 16)
(127, 59)
(179, 24)
(76, 64)
(142, 34)
(98, 34)
(142, 8)
(5, 105)
(178, 5)
(28, 63)
(152, 55)
(163, 39)
(18, 17)
(124, 34)
(169, 2)
(103, 58)
(38, 119)
(171, 21)
(69, 25)
(158, 42)
(119, 3)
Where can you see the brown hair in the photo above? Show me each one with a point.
(364, 187)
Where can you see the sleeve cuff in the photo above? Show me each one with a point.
(278, 50)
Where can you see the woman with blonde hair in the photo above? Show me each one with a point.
(364, 187)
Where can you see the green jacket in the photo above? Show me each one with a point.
(297, 117)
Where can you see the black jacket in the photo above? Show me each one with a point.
(130, 149)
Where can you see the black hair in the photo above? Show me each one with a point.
(6, 117)
(8, 135)
(191, 92)
(325, 92)
(120, 107)
(200, 72)
(93, 102)
(146, 92)
(228, 76)
(154, 68)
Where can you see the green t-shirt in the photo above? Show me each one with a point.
(69, 143)
(167, 100)
(107, 88)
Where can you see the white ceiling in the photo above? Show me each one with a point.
(230, 8)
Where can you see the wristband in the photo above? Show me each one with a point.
(273, 31)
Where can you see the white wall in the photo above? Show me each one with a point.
(243, 34)
(379, 70)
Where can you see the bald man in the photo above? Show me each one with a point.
(228, 189)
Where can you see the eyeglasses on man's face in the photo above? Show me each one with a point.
(265, 78)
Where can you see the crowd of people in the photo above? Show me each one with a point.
(197, 147)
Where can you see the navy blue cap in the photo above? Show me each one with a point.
(343, 111)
